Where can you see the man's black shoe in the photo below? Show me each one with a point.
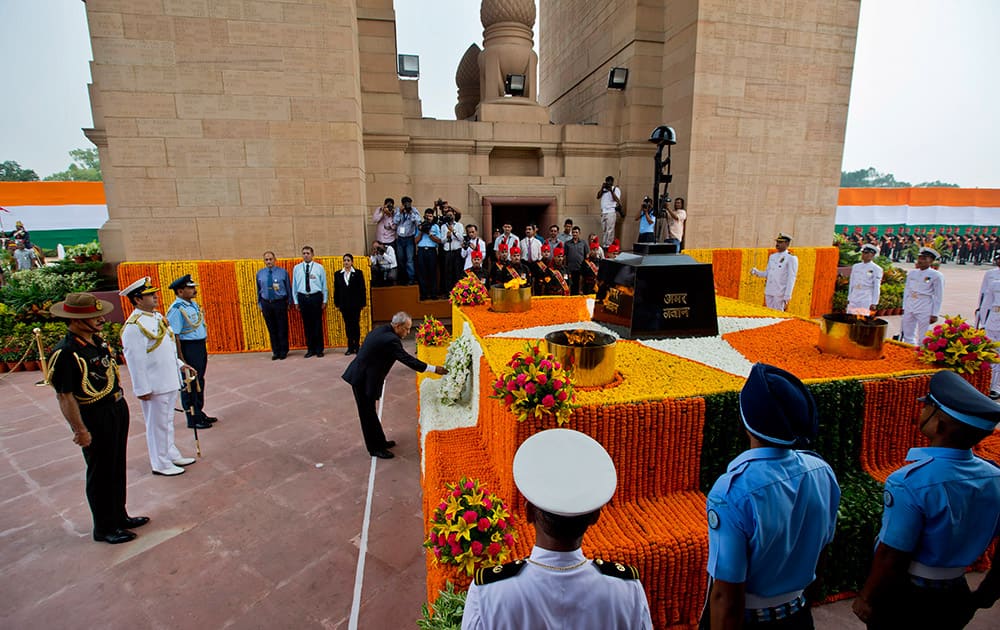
(309, 354)
(116, 537)
(282, 357)
(131, 522)
(319, 354)
(383, 454)
(200, 425)
(390, 443)
(275, 357)
(210, 419)
(352, 351)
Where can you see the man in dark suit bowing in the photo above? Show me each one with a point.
(366, 373)
(349, 296)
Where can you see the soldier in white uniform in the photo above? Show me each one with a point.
(988, 316)
(566, 477)
(782, 268)
(151, 356)
(866, 283)
(921, 297)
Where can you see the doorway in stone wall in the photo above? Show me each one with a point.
(519, 212)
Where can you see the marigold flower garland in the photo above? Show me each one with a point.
(468, 291)
(432, 332)
(470, 527)
(956, 345)
(535, 384)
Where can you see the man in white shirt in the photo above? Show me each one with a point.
(383, 261)
(610, 196)
(566, 478)
(309, 293)
(988, 316)
(782, 268)
(472, 243)
(151, 356)
(531, 249)
(452, 237)
(922, 297)
(866, 283)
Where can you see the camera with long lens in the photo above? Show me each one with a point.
(425, 225)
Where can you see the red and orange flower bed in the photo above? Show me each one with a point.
(671, 425)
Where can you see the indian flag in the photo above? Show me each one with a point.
(960, 210)
(54, 212)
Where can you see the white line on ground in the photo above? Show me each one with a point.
(359, 574)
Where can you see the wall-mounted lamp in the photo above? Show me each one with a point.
(617, 78)
(408, 65)
(514, 85)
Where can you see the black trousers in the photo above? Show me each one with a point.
(427, 272)
(451, 271)
(311, 307)
(801, 620)
(371, 427)
(917, 608)
(105, 457)
(647, 237)
(276, 317)
(352, 326)
(195, 355)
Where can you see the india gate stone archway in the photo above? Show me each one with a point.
(228, 128)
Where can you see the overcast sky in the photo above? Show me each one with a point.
(923, 99)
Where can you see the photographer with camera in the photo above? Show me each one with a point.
(471, 244)
(428, 239)
(676, 217)
(452, 236)
(406, 219)
(385, 225)
(647, 221)
(611, 206)
(383, 261)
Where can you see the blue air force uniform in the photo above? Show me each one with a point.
(942, 510)
(774, 510)
(187, 321)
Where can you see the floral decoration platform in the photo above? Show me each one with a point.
(671, 424)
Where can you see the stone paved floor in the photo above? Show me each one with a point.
(254, 535)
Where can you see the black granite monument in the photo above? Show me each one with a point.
(654, 293)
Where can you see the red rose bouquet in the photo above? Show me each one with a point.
(535, 384)
(471, 527)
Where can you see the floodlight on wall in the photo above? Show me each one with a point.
(617, 78)
(408, 65)
(514, 85)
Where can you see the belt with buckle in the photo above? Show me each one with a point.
(775, 613)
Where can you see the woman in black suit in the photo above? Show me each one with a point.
(349, 296)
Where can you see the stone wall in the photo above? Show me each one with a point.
(227, 128)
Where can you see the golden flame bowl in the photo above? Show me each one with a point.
(852, 336)
(590, 354)
(510, 300)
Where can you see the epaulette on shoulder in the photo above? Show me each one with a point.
(911, 468)
(617, 569)
(136, 314)
(489, 575)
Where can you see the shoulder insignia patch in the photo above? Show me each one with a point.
(887, 498)
(489, 575)
(713, 519)
(617, 569)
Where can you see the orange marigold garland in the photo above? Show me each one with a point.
(216, 294)
(824, 280)
(470, 527)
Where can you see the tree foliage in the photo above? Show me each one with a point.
(872, 178)
(11, 171)
(86, 167)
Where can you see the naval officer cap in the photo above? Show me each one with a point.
(183, 281)
(927, 251)
(868, 247)
(783, 237)
(957, 398)
(776, 406)
(564, 472)
(142, 286)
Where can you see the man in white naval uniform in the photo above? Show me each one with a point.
(988, 316)
(566, 477)
(866, 283)
(151, 356)
(921, 297)
(782, 268)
